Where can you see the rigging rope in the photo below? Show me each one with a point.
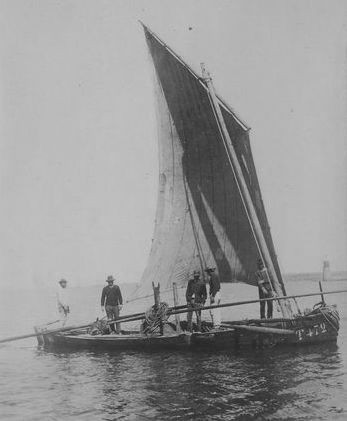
(195, 231)
(151, 295)
(224, 141)
(331, 317)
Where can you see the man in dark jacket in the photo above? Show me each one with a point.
(196, 295)
(111, 298)
(265, 290)
(215, 296)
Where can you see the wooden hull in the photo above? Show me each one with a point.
(306, 330)
(115, 342)
(319, 326)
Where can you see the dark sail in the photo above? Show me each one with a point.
(201, 219)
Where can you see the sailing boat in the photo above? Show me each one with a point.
(210, 213)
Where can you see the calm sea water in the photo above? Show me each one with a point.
(306, 383)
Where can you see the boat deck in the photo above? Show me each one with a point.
(256, 334)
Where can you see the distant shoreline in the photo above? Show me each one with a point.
(317, 276)
(339, 276)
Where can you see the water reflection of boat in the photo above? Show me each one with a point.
(210, 213)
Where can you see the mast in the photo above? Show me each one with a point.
(245, 195)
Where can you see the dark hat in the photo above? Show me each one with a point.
(63, 281)
(110, 279)
(260, 263)
(210, 270)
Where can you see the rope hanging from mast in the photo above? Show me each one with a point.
(195, 232)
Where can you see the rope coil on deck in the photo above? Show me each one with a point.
(99, 327)
(331, 316)
(154, 317)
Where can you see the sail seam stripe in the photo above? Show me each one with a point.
(198, 245)
(173, 185)
(178, 251)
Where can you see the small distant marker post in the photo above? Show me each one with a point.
(326, 271)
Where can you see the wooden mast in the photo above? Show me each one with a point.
(245, 195)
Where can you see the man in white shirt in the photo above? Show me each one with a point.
(62, 301)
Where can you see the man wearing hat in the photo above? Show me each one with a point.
(215, 296)
(264, 289)
(196, 295)
(111, 298)
(62, 301)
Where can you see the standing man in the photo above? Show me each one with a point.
(215, 296)
(111, 298)
(63, 301)
(196, 295)
(265, 290)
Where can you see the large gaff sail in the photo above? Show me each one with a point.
(201, 219)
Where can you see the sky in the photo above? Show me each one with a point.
(78, 143)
